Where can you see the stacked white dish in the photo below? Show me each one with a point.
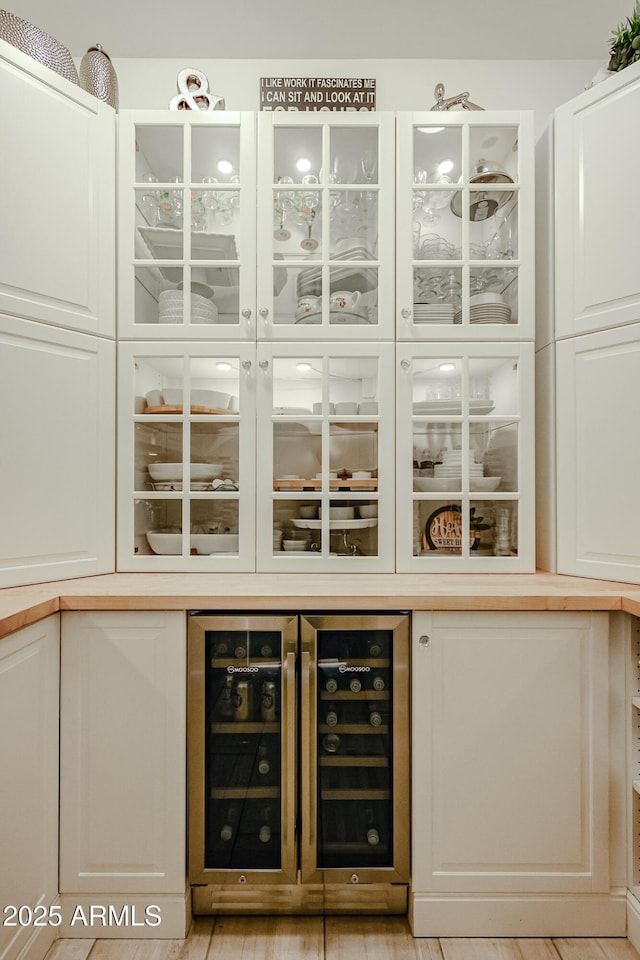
(433, 313)
(171, 308)
(486, 308)
(294, 546)
(451, 466)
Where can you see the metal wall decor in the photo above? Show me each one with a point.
(98, 77)
(194, 93)
(37, 44)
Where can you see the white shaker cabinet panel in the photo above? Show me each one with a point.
(598, 454)
(123, 753)
(57, 440)
(596, 145)
(57, 199)
(29, 695)
(510, 771)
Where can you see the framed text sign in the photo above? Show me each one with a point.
(317, 93)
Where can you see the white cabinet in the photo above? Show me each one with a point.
(186, 222)
(123, 755)
(465, 248)
(596, 146)
(598, 458)
(325, 226)
(464, 457)
(598, 332)
(325, 459)
(57, 499)
(57, 196)
(510, 825)
(187, 466)
(29, 697)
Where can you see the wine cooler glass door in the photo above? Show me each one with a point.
(242, 762)
(354, 729)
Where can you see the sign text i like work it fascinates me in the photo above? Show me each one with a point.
(317, 93)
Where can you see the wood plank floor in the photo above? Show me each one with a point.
(334, 938)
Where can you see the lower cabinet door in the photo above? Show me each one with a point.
(29, 673)
(123, 752)
(510, 753)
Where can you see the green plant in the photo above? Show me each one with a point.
(625, 45)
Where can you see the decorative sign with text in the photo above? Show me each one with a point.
(317, 93)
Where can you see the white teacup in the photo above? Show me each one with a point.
(346, 408)
(306, 305)
(345, 300)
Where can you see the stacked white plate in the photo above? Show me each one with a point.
(486, 313)
(171, 308)
(433, 313)
(451, 465)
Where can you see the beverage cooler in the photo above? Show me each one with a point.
(299, 763)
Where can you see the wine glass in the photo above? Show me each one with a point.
(369, 164)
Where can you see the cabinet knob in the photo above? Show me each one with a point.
(355, 878)
(405, 364)
(405, 313)
(242, 879)
(424, 640)
(246, 313)
(264, 313)
(263, 364)
(246, 365)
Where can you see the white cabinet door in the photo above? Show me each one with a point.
(596, 146)
(598, 454)
(465, 226)
(186, 221)
(325, 226)
(57, 439)
(186, 467)
(325, 481)
(465, 457)
(510, 766)
(57, 196)
(29, 696)
(123, 753)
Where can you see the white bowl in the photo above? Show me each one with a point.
(342, 513)
(368, 510)
(361, 475)
(172, 396)
(173, 471)
(210, 398)
(484, 484)
(165, 471)
(208, 543)
(294, 546)
(206, 471)
(167, 544)
(437, 484)
(483, 298)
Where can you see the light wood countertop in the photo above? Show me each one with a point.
(20, 606)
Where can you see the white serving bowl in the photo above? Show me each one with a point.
(165, 471)
(368, 510)
(172, 396)
(167, 544)
(437, 484)
(484, 484)
(210, 398)
(208, 543)
(206, 471)
(484, 298)
(173, 471)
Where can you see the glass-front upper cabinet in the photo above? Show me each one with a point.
(465, 234)
(186, 224)
(186, 477)
(325, 473)
(326, 226)
(465, 458)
